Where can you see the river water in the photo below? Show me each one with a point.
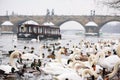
(8, 41)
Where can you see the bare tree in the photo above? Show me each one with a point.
(113, 3)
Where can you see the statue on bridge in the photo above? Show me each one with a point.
(48, 12)
(52, 12)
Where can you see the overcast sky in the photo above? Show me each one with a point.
(61, 7)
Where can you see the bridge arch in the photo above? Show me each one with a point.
(103, 23)
(72, 25)
(72, 28)
(66, 20)
(112, 26)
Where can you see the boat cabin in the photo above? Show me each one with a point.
(38, 31)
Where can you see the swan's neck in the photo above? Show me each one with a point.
(12, 63)
(59, 56)
(116, 67)
(89, 71)
(118, 50)
(100, 57)
(38, 39)
(40, 52)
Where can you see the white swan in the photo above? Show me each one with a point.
(108, 62)
(91, 61)
(6, 67)
(29, 56)
(14, 55)
(73, 75)
(76, 52)
(90, 72)
(118, 50)
(80, 67)
(56, 66)
(84, 68)
(114, 72)
(36, 40)
(40, 49)
(58, 54)
(116, 67)
(33, 40)
(56, 69)
(69, 76)
(75, 63)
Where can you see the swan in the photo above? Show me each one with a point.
(93, 71)
(118, 50)
(89, 63)
(56, 69)
(57, 66)
(40, 49)
(73, 75)
(14, 55)
(33, 40)
(72, 57)
(78, 63)
(38, 38)
(29, 56)
(89, 71)
(108, 62)
(115, 70)
(116, 67)
(68, 76)
(80, 67)
(76, 54)
(58, 54)
(6, 67)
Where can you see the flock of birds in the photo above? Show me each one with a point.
(86, 60)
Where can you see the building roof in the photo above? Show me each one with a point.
(48, 24)
(91, 23)
(7, 23)
(30, 22)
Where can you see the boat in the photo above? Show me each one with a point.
(31, 31)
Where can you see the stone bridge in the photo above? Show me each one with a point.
(59, 20)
